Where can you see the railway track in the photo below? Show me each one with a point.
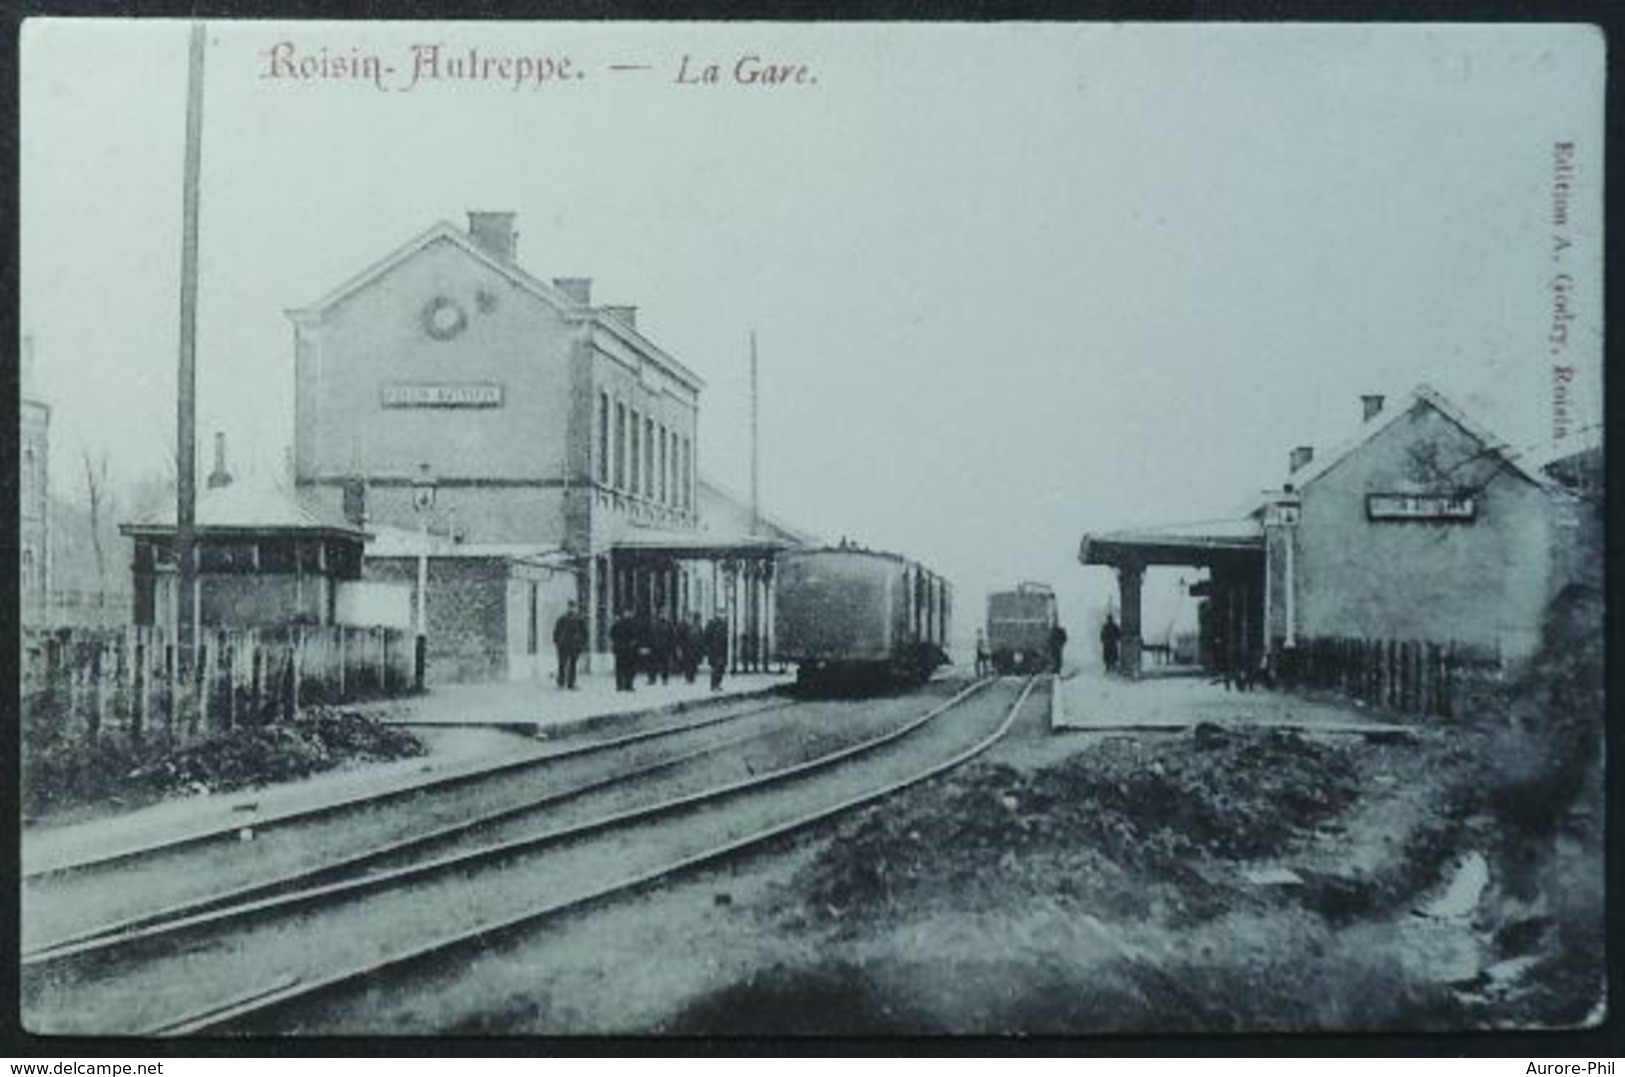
(229, 833)
(191, 935)
(199, 871)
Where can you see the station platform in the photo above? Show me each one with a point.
(1092, 701)
(543, 708)
(465, 728)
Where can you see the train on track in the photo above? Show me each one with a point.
(1019, 624)
(856, 617)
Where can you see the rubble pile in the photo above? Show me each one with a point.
(1155, 814)
(320, 740)
(112, 771)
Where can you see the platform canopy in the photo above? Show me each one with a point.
(1197, 544)
(689, 546)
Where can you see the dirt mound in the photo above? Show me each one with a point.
(113, 772)
(1231, 794)
(319, 740)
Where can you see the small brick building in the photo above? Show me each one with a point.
(490, 610)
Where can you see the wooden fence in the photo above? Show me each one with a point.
(82, 681)
(1408, 676)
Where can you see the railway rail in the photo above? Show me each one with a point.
(229, 833)
(182, 926)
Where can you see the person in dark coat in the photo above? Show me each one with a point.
(716, 649)
(686, 646)
(1057, 645)
(569, 640)
(662, 645)
(1110, 634)
(623, 640)
(646, 647)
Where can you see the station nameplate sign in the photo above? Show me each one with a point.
(1445, 508)
(480, 395)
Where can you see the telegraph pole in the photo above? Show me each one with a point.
(755, 452)
(186, 597)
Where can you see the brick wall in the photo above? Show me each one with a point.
(467, 614)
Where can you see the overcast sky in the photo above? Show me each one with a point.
(1010, 282)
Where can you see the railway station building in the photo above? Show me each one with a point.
(1422, 527)
(447, 394)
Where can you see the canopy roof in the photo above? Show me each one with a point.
(242, 507)
(1195, 544)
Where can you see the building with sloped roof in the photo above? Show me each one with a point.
(1422, 527)
(446, 391)
(264, 560)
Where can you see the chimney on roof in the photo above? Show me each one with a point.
(577, 288)
(355, 501)
(629, 315)
(1372, 403)
(493, 233)
(1300, 458)
(219, 476)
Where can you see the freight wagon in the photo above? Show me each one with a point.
(846, 614)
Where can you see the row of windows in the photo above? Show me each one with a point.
(643, 457)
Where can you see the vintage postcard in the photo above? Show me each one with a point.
(706, 529)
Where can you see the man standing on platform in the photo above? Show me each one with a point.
(1057, 646)
(623, 640)
(569, 640)
(646, 646)
(716, 649)
(1110, 634)
(662, 645)
(686, 646)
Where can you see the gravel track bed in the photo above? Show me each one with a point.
(58, 906)
(119, 998)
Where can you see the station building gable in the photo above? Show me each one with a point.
(1424, 529)
(440, 358)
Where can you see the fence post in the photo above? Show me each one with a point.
(199, 688)
(98, 665)
(297, 660)
(256, 674)
(142, 683)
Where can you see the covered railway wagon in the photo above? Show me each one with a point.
(852, 615)
(1019, 623)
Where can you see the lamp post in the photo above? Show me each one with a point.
(423, 489)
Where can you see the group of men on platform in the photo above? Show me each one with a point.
(658, 647)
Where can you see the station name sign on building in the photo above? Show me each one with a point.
(1442, 508)
(442, 396)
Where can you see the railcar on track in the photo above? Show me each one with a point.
(847, 615)
(1019, 624)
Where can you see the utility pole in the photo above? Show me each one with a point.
(755, 451)
(186, 597)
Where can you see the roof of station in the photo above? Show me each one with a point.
(698, 546)
(1175, 544)
(246, 506)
